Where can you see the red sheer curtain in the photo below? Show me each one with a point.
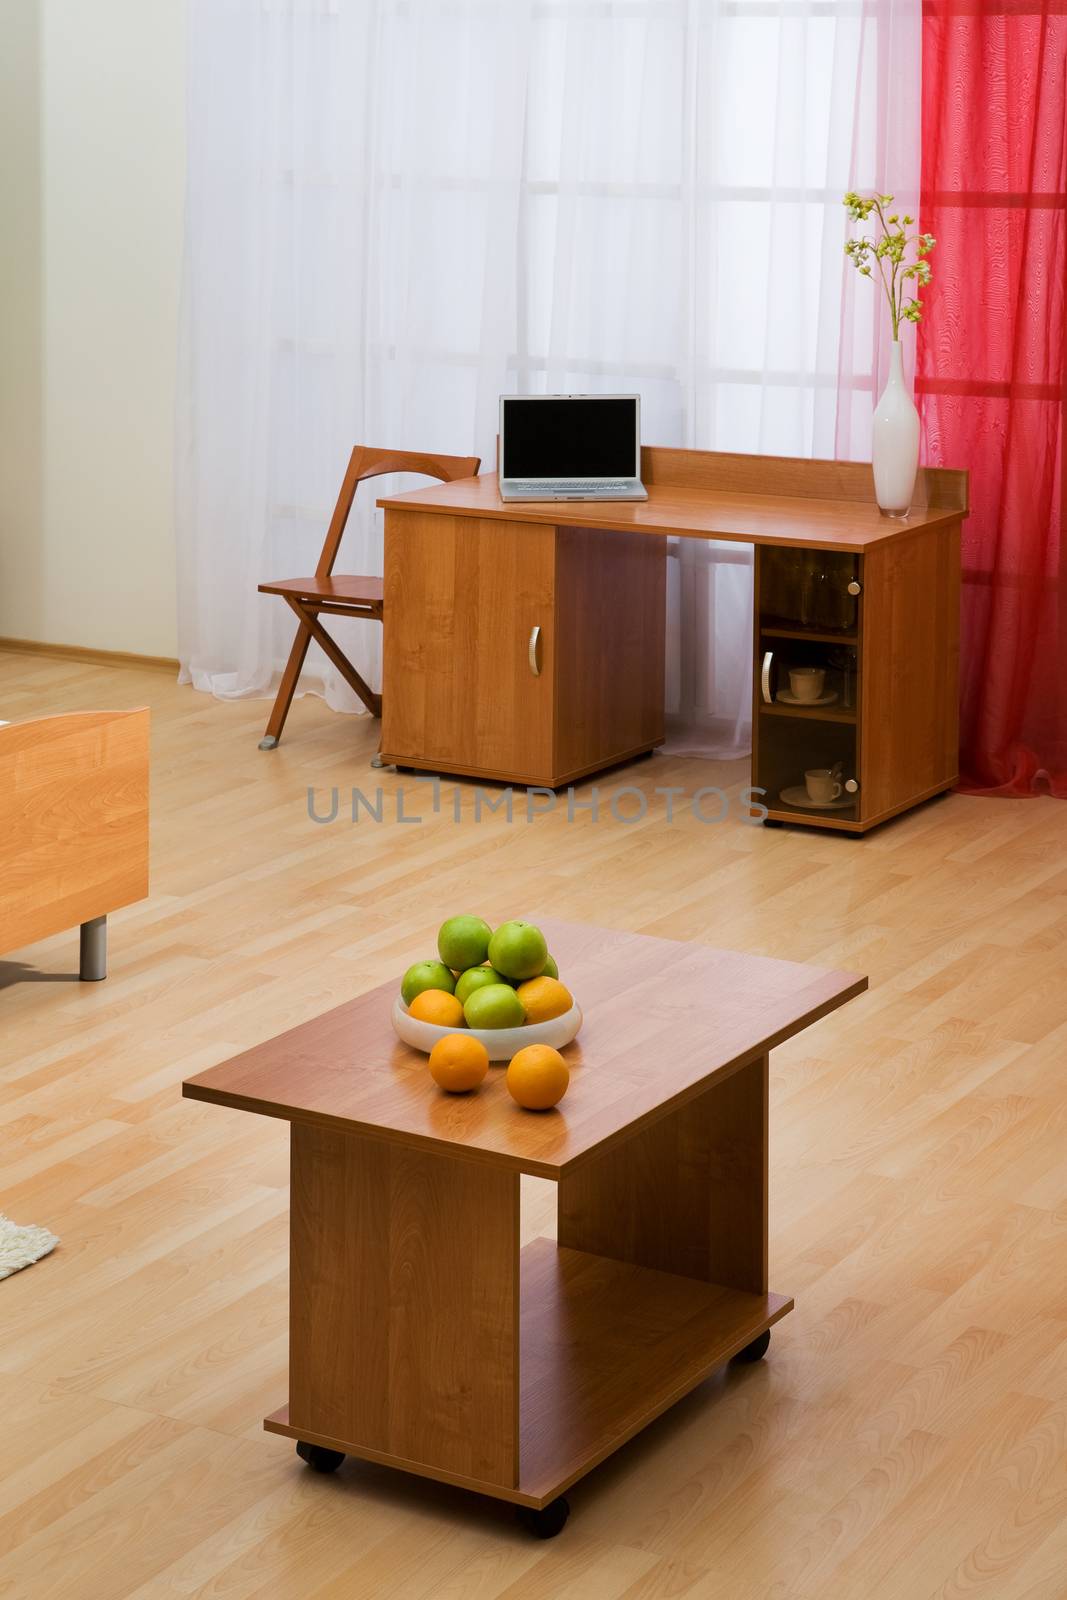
(991, 363)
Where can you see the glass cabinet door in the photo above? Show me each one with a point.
(808, 618)
(816, 590)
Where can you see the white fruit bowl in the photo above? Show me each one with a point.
(501, 1043)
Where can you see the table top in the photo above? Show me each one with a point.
(663, 1019)
(689, 512)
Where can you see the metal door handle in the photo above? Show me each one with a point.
(765, 676)
(852, 786)
(534, 651)
(855, 587)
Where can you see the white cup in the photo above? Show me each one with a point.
(806, 683)
(822, 786)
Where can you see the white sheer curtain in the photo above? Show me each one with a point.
(399, 208)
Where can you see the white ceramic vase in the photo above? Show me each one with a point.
(896, 442)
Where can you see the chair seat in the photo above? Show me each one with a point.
(343, 590)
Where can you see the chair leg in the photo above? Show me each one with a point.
(287, 687)
(372, 701)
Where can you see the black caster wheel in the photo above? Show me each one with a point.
(754, 1351)
(547, 1522)
(318, 1458)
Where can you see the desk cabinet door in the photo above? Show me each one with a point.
(469, 616)
(809, 628)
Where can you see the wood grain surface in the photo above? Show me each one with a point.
(755, 516)
(345, 588)
(662, 1020)
(909, 727)
(607, 1346)
(686, 1194)
(462, 598)
(404, 1303)
(73, 820)
(940, 488)
(610, 625)
(906, 1438)
(476, 605)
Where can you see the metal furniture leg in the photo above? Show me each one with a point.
(93, 964)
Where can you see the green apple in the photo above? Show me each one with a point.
(425, 975)
(476, 978)
(494, 1005)
(518, 950)
(549, 970)
(463, 942)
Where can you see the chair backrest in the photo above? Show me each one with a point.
(367, 462)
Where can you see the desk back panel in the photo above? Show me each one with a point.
(793, 477)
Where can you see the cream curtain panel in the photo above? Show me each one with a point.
(398, 209)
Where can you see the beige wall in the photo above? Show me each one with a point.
(92, 174)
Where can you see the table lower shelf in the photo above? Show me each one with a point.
(605, 1348)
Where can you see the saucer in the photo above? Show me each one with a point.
(788, 698)
(798, 796)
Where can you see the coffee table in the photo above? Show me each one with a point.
(421, 1336)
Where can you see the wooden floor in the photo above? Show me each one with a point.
(905, 1439)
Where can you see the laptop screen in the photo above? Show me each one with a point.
(591, 436)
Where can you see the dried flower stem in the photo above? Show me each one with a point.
(889, 249)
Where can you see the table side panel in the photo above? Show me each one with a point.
(610, 646)
(909, 677)
(687, 1195)
(404, 1303)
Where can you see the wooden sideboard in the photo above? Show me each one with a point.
(524, 642)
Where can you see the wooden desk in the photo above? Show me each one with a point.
(525, 642)
(421, 1336)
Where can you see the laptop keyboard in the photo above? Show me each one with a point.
(579, 486)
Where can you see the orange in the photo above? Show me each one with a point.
(438, 1007)
(544, 998)
(537, 1077)
(459, 1062)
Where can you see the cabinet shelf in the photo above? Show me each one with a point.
(812, 714)
(606, 1347)
(809, 634)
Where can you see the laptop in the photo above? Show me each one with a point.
(571, 447)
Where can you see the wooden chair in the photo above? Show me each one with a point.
(345, 596)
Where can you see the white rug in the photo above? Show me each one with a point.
(21, 1247)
